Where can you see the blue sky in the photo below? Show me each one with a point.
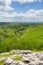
(21, 10)
(26, 6)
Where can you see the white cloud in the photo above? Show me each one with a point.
(8, 2)
(21, 1)
(2, 4)
(8, 8)
(24, 1)
(5, 5)
(39, 0)
(1, 7)
(30, 16)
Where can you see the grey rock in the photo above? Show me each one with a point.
(40, 62)
(15, 63)
(41, 57)
(21, 51)
(33, 63)
(8, 61)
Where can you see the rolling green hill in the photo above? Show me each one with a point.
(21, 36)
(34, 38)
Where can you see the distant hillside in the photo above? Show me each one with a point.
(3, 23)
(33, 38)
(21, 36)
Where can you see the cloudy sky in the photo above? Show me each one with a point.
(21, 10)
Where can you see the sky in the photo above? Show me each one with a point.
(21, 10)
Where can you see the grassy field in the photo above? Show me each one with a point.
(21, 36)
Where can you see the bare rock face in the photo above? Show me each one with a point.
(18, 63)
(8, 61)
(33, 63)
(26, 51)
(21, 51)
(41, 57)
(26, 58)
(15, 63)
(40, 62)
(36, 63)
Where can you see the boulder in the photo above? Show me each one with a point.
(13, 56)
(21, 51)
(30, 57)
(25, 60)
(26, 51)
(33, 63)
(8, 61)
(40, 62)
(15, 63)
(41, 57)
(13, 51)
(18, 63)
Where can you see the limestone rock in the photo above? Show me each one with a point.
(33, 63)
(8, 61)
(40, 62)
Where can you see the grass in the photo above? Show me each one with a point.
(6, 55)
(21, 36)
(2, 62)
(17, 58)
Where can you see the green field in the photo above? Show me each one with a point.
(21, 36)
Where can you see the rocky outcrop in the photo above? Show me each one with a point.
(9, 61)
(24, 58)
(21, 51)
